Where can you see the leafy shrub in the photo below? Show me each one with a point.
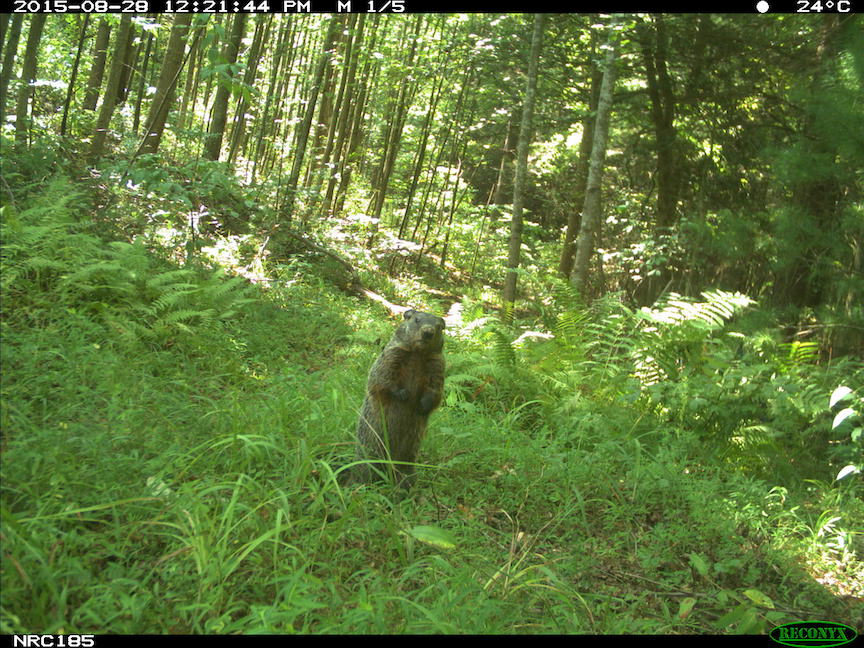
(49, 254)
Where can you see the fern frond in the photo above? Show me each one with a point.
(174, 295)
(185, 315)
(502, 349)
(159, 280)
(797, 354)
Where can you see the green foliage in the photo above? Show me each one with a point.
(207, 192)
(172, 436)
(843, 401)
(28, 169)
(205, 445)
(48, 253)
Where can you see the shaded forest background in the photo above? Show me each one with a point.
(733, 160)
(651, 225)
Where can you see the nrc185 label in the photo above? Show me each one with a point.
(53, 641)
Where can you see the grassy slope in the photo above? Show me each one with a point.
(182, 481)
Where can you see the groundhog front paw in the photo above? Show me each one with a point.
(428, 402)
(400, 394)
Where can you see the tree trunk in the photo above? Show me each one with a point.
(100, 52)
(191, 85)
(574, 221)
(127, 69)
(110, 95)
(499, 196)
(421, 152)
(28, 76)
(172, 64)
(525, 134)
(142, 84)
(265, 124)
(355, 135)
(654, 46)
(9, 62)
(219, 119)
(591, 210)
(70, 91)
(327, 93)
(347, 106)
(238, 131)
(4, 24)
(393, 139)
(305, 127)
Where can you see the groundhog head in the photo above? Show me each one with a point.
(421, 331)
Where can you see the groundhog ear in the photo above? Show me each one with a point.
(408, 314)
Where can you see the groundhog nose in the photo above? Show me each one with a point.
(427, 334)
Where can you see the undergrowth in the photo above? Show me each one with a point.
(172, 438)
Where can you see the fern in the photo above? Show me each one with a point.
(674, 331)
(796, 354)
(48, 255)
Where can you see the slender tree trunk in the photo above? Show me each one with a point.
(4, 25)
(565, 263)
(100, 53)
(127, 69)
(278, 119)
(28, 76)
(212, 54)
(306, 126)
(349, 158)
(654, 48)
(499, 196)
(190, 86)
(393, 138)
(591, 210)
(456, 118)
(421, 152)
(345, 110)
(455, 202)
(321, 126)
(238, 130)
(338, 122)
(162, 101)
(216, 132)
(110, 95)
(525, 134)
(70, 91)
(9, 55)
(654, 41)
(265, 124)
(142, 84)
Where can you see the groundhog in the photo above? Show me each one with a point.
(405, 384)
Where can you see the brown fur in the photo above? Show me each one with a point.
(405, 385)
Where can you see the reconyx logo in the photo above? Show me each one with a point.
(813, 633)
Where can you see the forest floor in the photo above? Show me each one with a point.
(171, 441)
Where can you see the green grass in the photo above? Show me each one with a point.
(167, 469)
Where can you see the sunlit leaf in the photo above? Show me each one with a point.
(434, 536)
(758, 598)
(839, 394)
(846, 471)
(686, 607)
(699, 564)
(842, 415)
